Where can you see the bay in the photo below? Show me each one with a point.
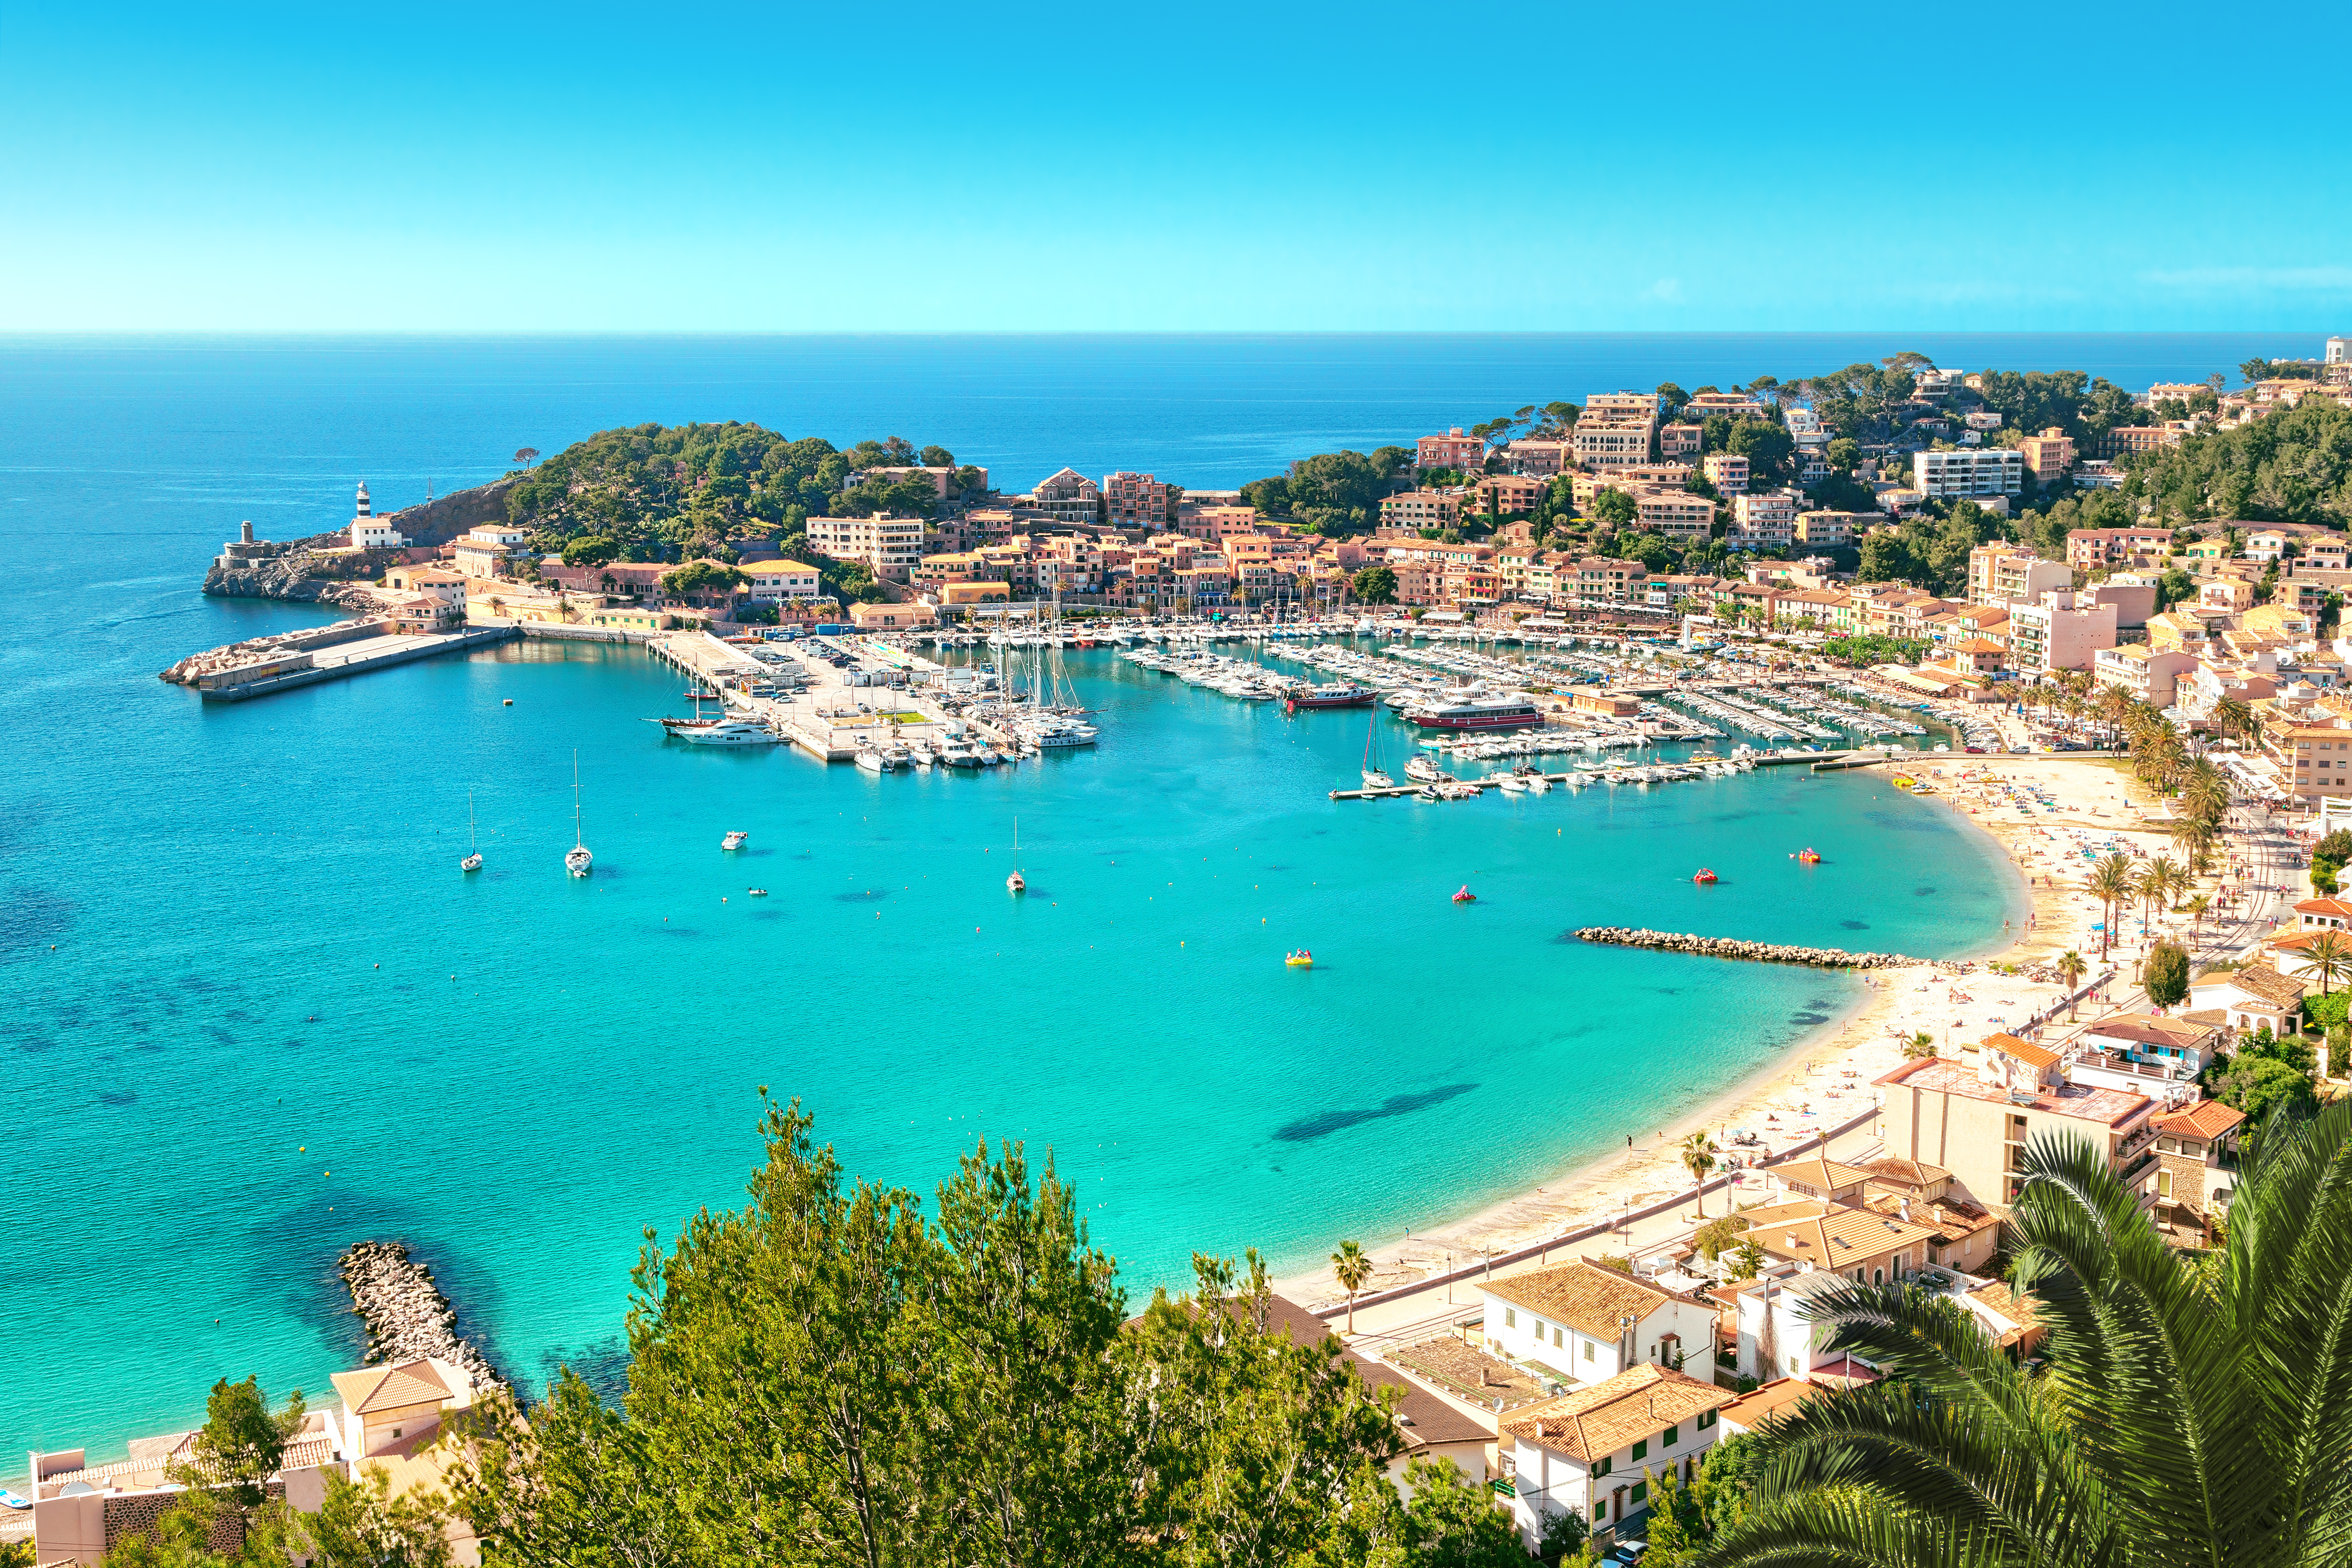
(254, 1014)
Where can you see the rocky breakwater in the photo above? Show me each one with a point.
(299, 574)
(1732, 947)
(405, 1313)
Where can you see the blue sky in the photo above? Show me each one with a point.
(1554, 167)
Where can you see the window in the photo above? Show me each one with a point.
(1510, 1318)
(2164, 1183)
(1642, 1449)
(1555, 1339)
(1601, 1467)
(1705, 1419)
(1588, 1349)
(1641, 1491)
(1600, 1512)
(1792, 1363)
(1666, 1438)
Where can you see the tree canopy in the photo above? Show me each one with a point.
(2293, 464)
(1331, 492)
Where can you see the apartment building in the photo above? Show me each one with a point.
(1539, 460)
(1766, 521)
(1675, 514)
(1729, 405)
(1602, 581)
(2088, 548)
(1068, 496)
(1968, 475)
(1977, 1122)
(1138, 500)
(486, 550)
(1645, 406)
(1583, 488)
(2313, 760)
(1832, 528)
(774, 582)
(1601, 442)
(1727, 471)
(1450, 450)
(2012, 574)
(1421, 508)
(2150, 674)
(2062, 630)
(2047, 456)
(1681, 440)
(2126, 440)
(1503, 494)
(890, 545)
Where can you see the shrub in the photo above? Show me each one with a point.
(2165, 973)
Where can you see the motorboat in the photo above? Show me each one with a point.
(576, 859)
(1423, 769)
(755, 893)
(722, 733)
(1512, 783)
(734, 841)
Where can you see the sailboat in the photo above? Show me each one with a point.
(1374, 778)
(473, 860)
(577, 859)
(1016, 883)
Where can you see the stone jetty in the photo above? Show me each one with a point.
(1731, 947)
(405, 1313)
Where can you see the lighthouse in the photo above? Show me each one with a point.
(370, 531)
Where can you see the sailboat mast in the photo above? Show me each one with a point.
(577, 841)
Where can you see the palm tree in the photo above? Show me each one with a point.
(2071, 969)
(2191, 1411)
(2329, 956)
(1921, 1044)
(2205, 794)
(1354, 1272)
(2111, 884)
(2196, 908)
(2162, 882)
(1698, 1158)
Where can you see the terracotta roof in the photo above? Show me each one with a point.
(1585, 1296)
(2206, 1119)
(1752, 1409)
(1835, 1237)
(2009, 1306)
(1593, 1422)
(390, 1387)
(2148, 1029)
(2260, 980)
(1896, 1171)
(1823, 1175)
(1961, 1220)
(2032, 1055)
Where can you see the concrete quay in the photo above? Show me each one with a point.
(829, 719)
(355, 657)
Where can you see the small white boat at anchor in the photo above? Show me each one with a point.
(734, 841)
(473, 860)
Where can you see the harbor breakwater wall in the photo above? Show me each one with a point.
(1732, 947)
(405, 1313)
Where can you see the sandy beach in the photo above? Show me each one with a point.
(2044, 812)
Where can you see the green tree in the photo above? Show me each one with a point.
(241, 1443)
(1712, 1238)
(2165, 974)
(1614, 506)
(1649, 549)
(2166, 1429)
(2329, 957)
(1748, 1260)
(1843, 454)
(703, 577)
(1699, 1152)
(2258, 1084)
(365, 1524)
(590, 550)
(1375, 586)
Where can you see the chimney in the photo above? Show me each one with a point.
(1939, 1213)
(1906, 1211)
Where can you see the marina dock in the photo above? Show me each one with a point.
(265, 666)
(1823, 762)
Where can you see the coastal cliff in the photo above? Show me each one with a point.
(320, 570)
(405, 1313)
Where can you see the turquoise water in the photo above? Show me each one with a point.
(254, 1013)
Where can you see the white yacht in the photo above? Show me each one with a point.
(1512, 783)
(871, 761)
(1539, 783)
(1375, 779)
(734, 841)
(726, 733)
(473, 860)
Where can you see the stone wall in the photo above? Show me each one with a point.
(1731, 947)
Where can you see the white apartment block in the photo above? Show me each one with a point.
(1965, 476)
(1610, 443)
(890, 545)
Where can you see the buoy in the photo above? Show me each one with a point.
(510, 702)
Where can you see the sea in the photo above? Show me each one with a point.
(253, 1013)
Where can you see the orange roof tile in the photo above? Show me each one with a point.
(1593, 1422)
(2206, 1119)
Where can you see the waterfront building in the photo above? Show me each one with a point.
(1976, 1122)
(1452, 450)
(1968, 474)
(1590, 1452)
(1727, 472)
(889, 546)
(1580, 1322)
(1583, 486)
(1604, 443)
(2151, 675)
(1865, 1246)
(370, 531)
(893, 617)
(2256, 996)
(769, 582)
